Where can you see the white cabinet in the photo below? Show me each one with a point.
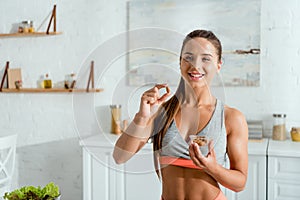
(256, 185)
(284, 170)
(135, 180)
(104, 180)
(273, 172)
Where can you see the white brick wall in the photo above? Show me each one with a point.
(43, 118)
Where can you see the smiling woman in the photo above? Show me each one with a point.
(192, 110)
(200, 60)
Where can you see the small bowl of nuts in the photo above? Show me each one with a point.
(202, 142)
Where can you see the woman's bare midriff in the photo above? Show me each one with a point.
(180, 183)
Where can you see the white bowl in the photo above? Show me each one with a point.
(203, 143)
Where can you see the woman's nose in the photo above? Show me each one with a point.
(198, 64)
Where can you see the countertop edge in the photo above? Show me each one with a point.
(108, 140)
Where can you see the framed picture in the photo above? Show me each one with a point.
(236, 23)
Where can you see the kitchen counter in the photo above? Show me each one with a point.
(104, 140)
(285, 148)
(258, 147)
(272, 164)
(255, 147)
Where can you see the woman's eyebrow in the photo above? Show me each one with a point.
(207, 54)
(203, 54)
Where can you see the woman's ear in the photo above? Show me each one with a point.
(219, 66)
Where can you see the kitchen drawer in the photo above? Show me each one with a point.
(283, 190)
(284, 168)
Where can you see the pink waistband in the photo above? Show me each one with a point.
(182, 162)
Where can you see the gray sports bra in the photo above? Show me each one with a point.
(174, 145)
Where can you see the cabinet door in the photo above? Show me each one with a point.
(256, 182)
(141, 180)
(104, 180)
(284, 178)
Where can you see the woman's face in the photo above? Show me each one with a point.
(199, 62)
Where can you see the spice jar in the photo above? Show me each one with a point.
(279, 130)
(26, 27)
(295, 134)
(47, 82)
(116, 119)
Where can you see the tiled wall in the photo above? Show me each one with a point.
(41, 119)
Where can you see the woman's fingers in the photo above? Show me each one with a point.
(165, 95)
(211, 148)
(159, 86)
(152, 96)
(196, 155)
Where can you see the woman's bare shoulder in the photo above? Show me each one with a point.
(234, 119)
(232, 112)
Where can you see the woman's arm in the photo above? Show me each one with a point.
(132, 139)
(140, 129)
(234, 178)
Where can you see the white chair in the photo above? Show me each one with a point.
(7, 162)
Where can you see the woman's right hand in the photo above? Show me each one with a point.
(138, 131)
(150, 100)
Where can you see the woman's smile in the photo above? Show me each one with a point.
(196, 76)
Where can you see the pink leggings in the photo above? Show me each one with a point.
(220, 196)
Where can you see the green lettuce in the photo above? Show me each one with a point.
(49, 192)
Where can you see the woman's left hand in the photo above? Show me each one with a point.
(208, 162)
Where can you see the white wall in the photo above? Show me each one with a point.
(41, 119)
(280, 74)
(48, 147)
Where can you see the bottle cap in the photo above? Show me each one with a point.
(279, 115)
(116, 106)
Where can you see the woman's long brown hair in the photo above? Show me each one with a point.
(168, 110)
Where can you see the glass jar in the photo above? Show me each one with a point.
(116, 119)
(26, 26)
(47, 82)
(295, 134)
(70, 81)
(279, 130)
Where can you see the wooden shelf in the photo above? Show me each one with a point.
(50, 90)
(34, 34)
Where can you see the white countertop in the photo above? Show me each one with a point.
(285, 148)
(256, 147)
(104, 140)
(100, 140)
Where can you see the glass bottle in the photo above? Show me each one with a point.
(47, 82)
(31, 28)
(26, 26)
(116, 119)
(279, 130)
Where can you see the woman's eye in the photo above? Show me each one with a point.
(188, 58)
(206, 59)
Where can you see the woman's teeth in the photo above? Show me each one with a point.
(196, 75)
